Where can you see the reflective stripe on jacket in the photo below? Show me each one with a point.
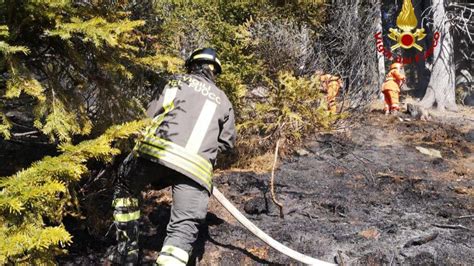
(193, 120)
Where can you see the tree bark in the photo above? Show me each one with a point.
(380, 56)
(441, 88)
(422, 72)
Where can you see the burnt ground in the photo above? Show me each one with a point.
(365, 196)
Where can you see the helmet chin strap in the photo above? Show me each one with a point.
(206, 70)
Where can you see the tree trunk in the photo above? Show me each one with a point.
(356, 9)
(441, 88)
(422, 72)
(380, 56)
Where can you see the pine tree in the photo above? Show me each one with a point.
(89, 58)
(74, 68)
(34, 201)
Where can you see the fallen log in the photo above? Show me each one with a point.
(262, 235)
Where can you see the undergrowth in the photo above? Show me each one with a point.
(293, 109)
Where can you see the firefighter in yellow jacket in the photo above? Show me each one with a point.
(391, 88)
(330, 85)
(193, 120)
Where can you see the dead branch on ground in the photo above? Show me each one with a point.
(450, 226)
(463, 217)
(272, 179)
(421, 240)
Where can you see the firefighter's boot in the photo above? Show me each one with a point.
(126, 216)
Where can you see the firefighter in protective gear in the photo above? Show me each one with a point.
(391, 88)
(193, 120)
(330, 85)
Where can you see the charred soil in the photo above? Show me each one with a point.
(365, 196)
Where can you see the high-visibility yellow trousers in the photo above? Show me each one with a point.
(392, 100)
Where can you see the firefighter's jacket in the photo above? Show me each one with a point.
(330, 84)
(193, 120)
(393, 80)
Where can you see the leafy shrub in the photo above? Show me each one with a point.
(219, 26)
(289, 109)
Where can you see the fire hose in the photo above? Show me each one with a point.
(262, 235)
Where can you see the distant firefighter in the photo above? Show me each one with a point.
(391, 88)
(330, 85)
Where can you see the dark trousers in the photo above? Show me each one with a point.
(190, 199)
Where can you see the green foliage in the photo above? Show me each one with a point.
(22, 81)
(83, 65)
(256, 41)
(294, 108)
(77, 68)
(160, 62)
(5, 126)
(38, 242)
(96, 30)
(219, 26)
(62, 123)
(7, 49)
(34, 200)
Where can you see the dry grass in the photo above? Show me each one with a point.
(259, 164)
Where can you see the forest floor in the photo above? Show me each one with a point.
(364, 196)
